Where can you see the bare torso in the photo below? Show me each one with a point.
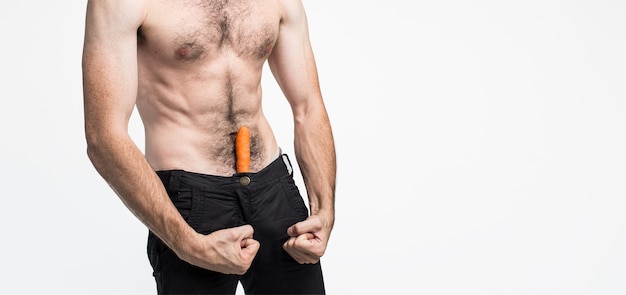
(200, 64)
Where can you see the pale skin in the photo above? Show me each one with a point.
(193, 69)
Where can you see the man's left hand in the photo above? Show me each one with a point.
(308, 239)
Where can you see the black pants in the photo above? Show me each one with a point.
(268, 200)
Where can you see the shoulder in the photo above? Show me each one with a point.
(291, 10)
(116, 13)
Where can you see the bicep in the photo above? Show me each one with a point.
(292, 62)
(110, 63)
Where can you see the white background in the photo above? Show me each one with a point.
(481, 150)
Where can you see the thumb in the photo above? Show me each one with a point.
(311, 225)
(301, 228)
(244, 231)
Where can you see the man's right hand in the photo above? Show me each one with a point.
(228, 251)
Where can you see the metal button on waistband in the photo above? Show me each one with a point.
(245, 180)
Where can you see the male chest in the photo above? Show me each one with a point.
(190, 30)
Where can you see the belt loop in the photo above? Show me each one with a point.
(287, 164)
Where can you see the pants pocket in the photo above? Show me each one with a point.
(293, 196)
(183, 201)
(212, 211)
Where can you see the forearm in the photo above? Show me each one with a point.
(315, 152)
(124, 167)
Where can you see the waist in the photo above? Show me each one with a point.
(212, 155)
(274, 171)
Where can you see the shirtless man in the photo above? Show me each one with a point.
(193, 69)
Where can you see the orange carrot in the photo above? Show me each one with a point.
(242, 149)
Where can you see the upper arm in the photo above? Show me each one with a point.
(110, 63)
(292, 61)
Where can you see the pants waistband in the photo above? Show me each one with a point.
(174, 179)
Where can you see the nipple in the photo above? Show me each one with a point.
(183, 52)
(268, 49)
(189, 51)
